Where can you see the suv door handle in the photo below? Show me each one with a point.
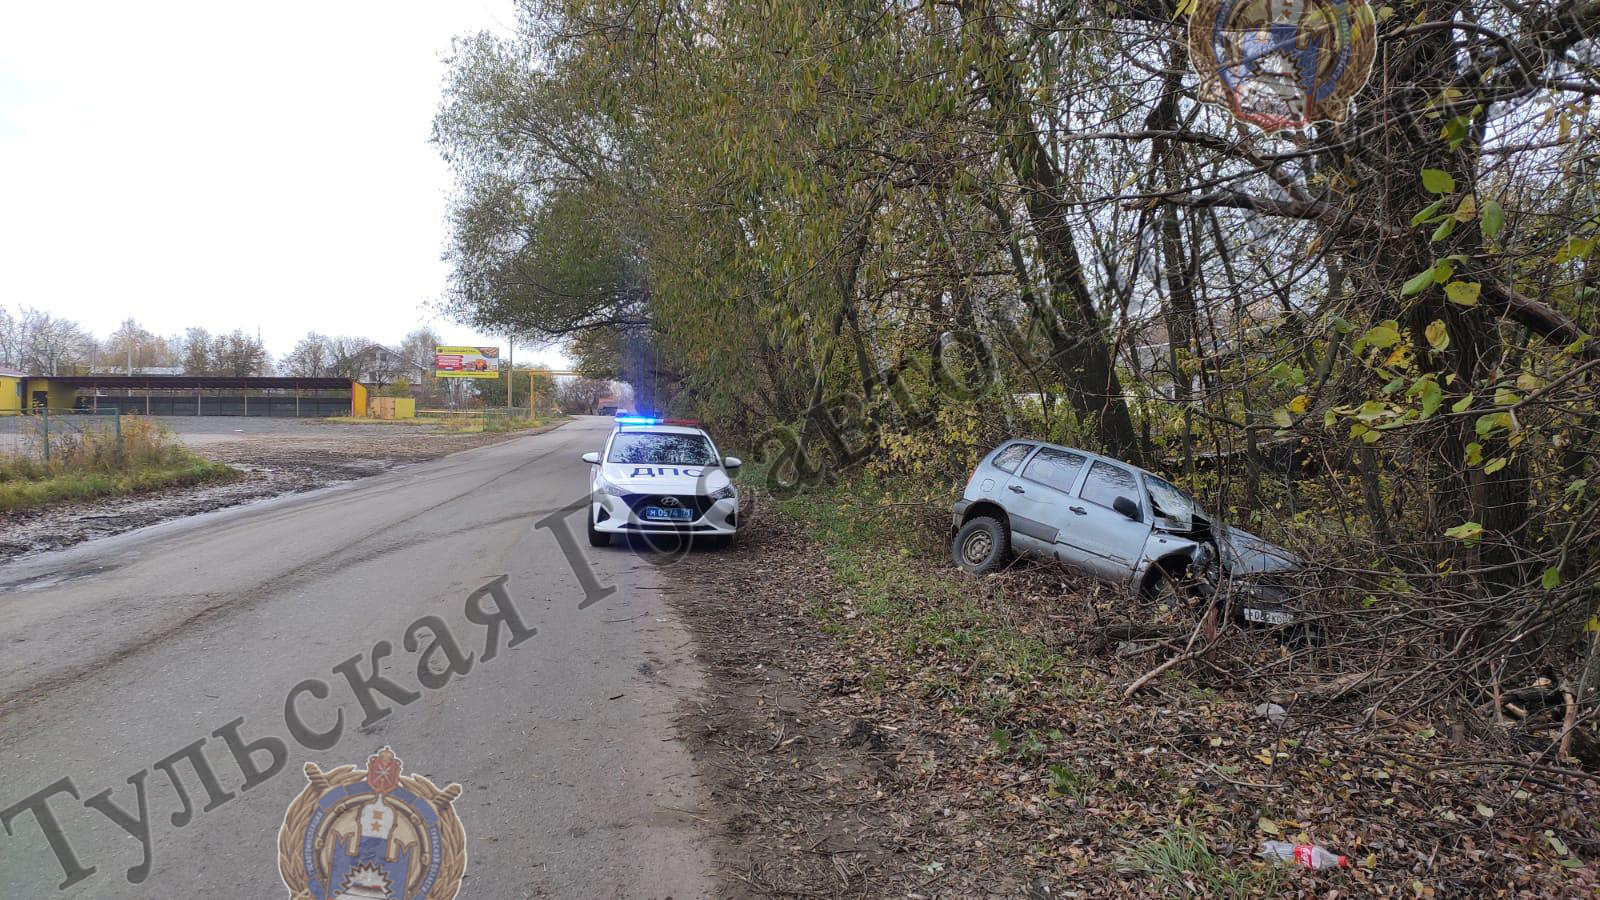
(1017, 489)
(1079, 510)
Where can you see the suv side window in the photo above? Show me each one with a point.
(1055, 468)
(1008, 459)
(1107, 482)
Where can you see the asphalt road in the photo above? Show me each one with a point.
(119, 652)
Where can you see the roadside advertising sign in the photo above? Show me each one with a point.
(466, 362)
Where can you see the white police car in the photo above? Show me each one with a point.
(660, 477)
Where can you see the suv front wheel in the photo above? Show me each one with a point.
(983, 545)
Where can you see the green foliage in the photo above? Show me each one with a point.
(882, 238)
(1435, 181)
(1493, 219)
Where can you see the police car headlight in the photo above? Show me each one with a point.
(602, 486)
(725, 492)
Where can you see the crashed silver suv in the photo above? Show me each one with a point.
(1118, 523)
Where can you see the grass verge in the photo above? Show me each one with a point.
(1011, 694)
(20, 494)
(136, 458)
(903, 591)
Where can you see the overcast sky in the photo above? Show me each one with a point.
(229, 165)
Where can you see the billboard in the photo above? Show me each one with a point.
(466, 362)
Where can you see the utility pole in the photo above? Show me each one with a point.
(511, 371)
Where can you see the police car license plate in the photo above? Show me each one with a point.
(668, 515)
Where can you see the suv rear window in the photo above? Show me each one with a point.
(1008, 459)
(1107, 482)
(1055, 468)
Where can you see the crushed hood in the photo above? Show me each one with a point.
(1244, 553)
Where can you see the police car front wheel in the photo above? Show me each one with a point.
(598, 538)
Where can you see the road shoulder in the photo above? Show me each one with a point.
(877, 723)
(822, 786)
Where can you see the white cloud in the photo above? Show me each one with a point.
(228, 165)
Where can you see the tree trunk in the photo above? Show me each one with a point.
(1078, 343)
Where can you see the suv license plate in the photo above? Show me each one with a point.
(668, 515)
(1268, 616)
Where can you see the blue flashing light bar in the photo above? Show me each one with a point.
(637, 420)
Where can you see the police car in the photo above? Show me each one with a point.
(658, 477)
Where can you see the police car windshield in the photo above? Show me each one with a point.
(654, 448)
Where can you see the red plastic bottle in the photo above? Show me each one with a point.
(1309, 856)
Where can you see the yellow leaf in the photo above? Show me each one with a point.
(1464, 293)
(1267, 825)
(1437, 334)
(1299, 404)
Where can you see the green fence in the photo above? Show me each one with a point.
(56, 435)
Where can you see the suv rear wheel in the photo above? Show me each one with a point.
(983, 545)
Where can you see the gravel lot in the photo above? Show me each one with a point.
(275, 456)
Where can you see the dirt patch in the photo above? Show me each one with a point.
(824, 787)
(853, 752)
(299, 458)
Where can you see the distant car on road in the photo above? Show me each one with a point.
(1119, 523)
(659, 477)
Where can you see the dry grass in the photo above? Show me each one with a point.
(99, 463)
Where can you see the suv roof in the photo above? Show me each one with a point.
(1081, 452)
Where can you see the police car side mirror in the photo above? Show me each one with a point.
(592, 458)
(732, 462)
(1127, 507)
